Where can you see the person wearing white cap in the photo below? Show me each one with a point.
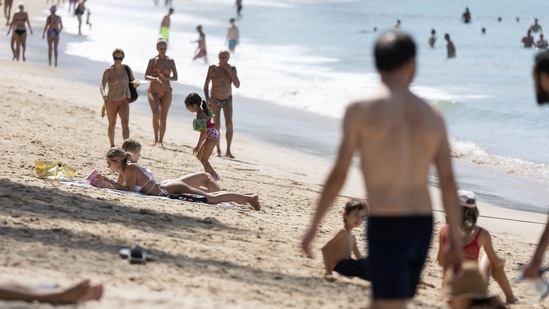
(474, 238)
(53, 27)
(19, 37)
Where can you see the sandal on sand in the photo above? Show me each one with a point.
(135, 255)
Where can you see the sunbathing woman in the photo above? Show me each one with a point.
(202, 181)
(160, 71)
(135, 179)
(476, 237)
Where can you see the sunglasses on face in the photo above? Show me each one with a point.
(470, 201)
(117, 58)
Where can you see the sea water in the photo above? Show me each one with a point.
(313, 57)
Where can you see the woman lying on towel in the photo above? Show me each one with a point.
(135, 179)
(202, 181)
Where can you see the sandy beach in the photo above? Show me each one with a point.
(206, 256)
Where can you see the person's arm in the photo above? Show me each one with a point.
(60, 24)
(453, 256)
(441, 241)
(202, 137)
(207, 83)
(531, 271)
(46, 26)
(104, 81)
(356, 251)
(233, 75)
(28, 22)
(173, 77)
(335, 179)
(148, 72)
(485, 240)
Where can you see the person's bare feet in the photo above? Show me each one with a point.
(255, 202)
(218, 152)
(229, 155)
(82, 291)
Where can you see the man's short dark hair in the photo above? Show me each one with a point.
(393, 49)
(541, 64)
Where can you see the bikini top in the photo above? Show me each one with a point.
(471, 250)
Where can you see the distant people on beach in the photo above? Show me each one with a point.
(499, 19)
(450, 47)
(238, 7)
(474, 239)
(136, 180)
(397, 137)
(337, 252)
(72, 5)
(222, 77)
(542, 42)
(466, 17)
(468, 290)
(88, 21)
(432, 38)
(80, 292)
(535, 27)
(19, 37)
(117, 98)
(160, 71)
(233, 35)
(79, 11)
(541, 82)
(201, 51)
(209, 136)
(7, 10)
(165, 26)
(202, 181)
(53, 28)
(397, 25)
(483, 30)
(528, 40)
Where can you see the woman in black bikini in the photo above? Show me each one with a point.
(19, 36)
(160, 71)
(53, 27)
(79, 11)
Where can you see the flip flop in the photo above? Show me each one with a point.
(135, 255)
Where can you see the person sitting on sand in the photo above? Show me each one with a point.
(337, 251)
(475, 237)
(80, 292)
(468, 290)
(202, 181)
(136, 180)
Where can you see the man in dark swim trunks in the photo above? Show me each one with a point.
(223, 76)
(397, 136)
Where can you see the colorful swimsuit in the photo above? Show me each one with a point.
(222, 103)
(471, 250)
(211, 131)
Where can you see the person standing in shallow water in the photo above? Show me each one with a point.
(450, 48)
(466, 17)
(160, 71)
(53, 28)
(432, 38)
(222, 76)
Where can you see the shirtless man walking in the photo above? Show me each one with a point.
(223, 76)
(165, 26)
(397, 136)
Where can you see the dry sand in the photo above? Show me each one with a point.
(207, 256)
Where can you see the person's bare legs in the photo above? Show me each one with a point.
(228, 114)
(154, 103)
(204, 155)
(217, 121)
(124, 113)
(79, 16)
(13, 45)
(55, 44)
(498, 273)
(222, 196)
(200, 181)
(23, 44)
(112, 111)
(50, 47)
(165, 104)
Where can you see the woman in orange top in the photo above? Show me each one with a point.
(474, 237)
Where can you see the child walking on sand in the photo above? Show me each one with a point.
(337, 252)
(209, 136)
(475, 237)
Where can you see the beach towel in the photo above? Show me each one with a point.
(53, 170)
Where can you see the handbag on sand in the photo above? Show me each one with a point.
(133, 90)
(53, 169)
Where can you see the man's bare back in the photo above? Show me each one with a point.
(397, 135)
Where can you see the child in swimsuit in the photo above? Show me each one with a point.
(474, 237)
(337, 252)
(209, 136)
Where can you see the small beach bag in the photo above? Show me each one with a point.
(133, 90)
(53, 169)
